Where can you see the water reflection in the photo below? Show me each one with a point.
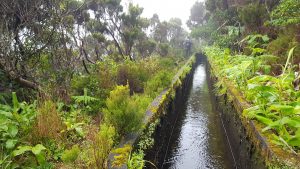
(197, 141)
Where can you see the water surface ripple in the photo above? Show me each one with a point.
(198, 141)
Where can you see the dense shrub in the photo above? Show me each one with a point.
(71, 155)
(283, 43)
(101, 80)
(133, 74)
(156, 84)
(163, 49)
(122, 111)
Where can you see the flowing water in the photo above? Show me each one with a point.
(196, 139)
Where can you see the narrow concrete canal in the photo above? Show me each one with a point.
(194, 138)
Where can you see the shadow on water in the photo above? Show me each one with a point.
(191, 136)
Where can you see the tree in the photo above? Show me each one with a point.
(132, 27)
(176, 33)
(110, 21)
(25, 36)
(286, 13)
(197, 16)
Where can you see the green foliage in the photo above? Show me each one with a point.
(71, 155)
(205, 31)
(274, 99)
(256, 40)
(123, 155)
(276, 102)
(223, 36)
(101, 80)
(102, 144)
(159, 82)
(122, 111)
(38, 150)
(286, 13)
(85, 99)
(286, 40)
(163, 49)
(136, 161)
(74, 127)
(15, 121)
(253, 16)
(83, 76)
(133, 74)
(146, 139)
(146, 47)
(255, 43)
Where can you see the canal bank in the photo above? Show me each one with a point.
(143, 140)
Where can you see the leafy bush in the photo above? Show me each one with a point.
(285, 41)
(163, 49)
(15, 121)
(133, 74)
(156, 84)
(74, 122)
(102, 144)
(38, 150)
(122, 111)
(123, 155)
(100, 82)
(71, 155)
(136, 161)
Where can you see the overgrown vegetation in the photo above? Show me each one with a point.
(68, 132)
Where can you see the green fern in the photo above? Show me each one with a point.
(85, 99)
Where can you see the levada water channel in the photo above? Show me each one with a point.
(192, 134)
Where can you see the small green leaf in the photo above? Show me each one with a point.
(15, 101)
(282, 108)
(21, 150)
(265, 38)
(10, 143)
(295, 141)
(37, 149)
(12, 130)
(6, 114)
(79, 131)
(264, 120)
(41, 158)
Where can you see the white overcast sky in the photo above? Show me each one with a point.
(165, 9)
